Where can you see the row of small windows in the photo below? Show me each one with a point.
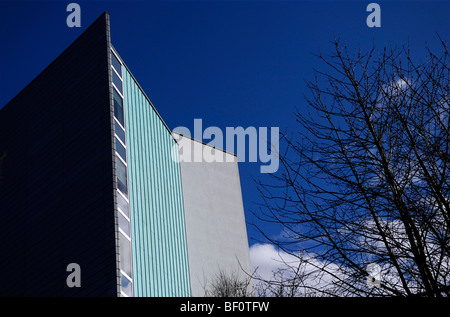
(122, 181)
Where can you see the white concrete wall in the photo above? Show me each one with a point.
(215, 221)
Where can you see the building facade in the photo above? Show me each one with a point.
(214, 211)
(88, 177)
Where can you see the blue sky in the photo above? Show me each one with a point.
(230, 63)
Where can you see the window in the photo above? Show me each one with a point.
(116, 64)
(121, 176)
(124, 225)
(123, 205)
(127, 285)
(120, 149)
(117, 82)
(120, 132)
(125, 254)
(118, 108)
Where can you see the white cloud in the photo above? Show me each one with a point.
(267, 260)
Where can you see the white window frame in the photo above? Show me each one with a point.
(117, 89)
(118, 138)
(128, 278)
(125, 234)
(119, 60)
(123, 195)
(126, 165)
(125, 216)
(117, 154)
(118, 75)
(119, 123)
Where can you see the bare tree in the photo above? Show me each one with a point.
(363, 192)
(226, 284)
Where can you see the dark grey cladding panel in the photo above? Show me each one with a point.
(56, 185)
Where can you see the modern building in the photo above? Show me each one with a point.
(215, 223)
(88, 176)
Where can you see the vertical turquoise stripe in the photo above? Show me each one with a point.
(160, 264)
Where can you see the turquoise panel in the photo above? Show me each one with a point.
(160, 262)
